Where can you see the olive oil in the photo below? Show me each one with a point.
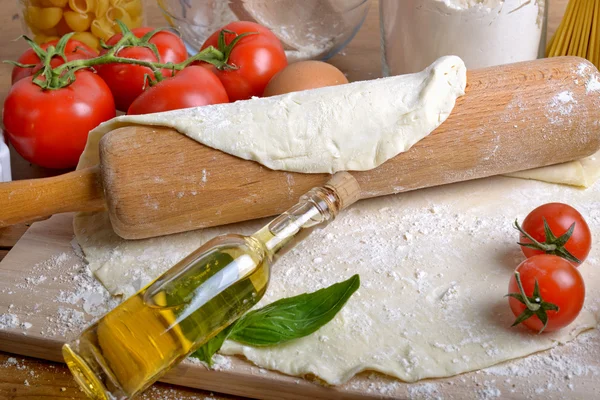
(133, 345)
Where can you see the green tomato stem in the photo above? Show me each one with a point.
(210, 55)
(64, 74)
(531, 306)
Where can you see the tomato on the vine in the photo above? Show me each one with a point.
(256, 58)
(559, 296)
(128, 81)
(194, 86)
(50, 127)
(74, 50)
(556, 228)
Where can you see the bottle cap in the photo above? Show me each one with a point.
(346, 188)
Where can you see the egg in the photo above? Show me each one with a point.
(304, 75)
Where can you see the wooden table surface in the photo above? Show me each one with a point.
(28, 378)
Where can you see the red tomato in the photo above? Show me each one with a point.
(194, 86)
(559, 217)
(75, 50)
(258, 58)
(560, 283)
(50, 127)
(126, 81)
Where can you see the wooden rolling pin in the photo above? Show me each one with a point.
(155, 181)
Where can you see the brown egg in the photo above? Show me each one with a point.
(304, 75)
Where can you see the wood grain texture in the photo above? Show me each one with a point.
(24, 378)
(9, 236)
(360, 60)
(159, 182)
(27, 200)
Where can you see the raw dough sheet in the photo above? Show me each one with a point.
(310, 131)
(434, 266)
(434, 263)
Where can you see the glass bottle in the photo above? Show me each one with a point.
(130, 347)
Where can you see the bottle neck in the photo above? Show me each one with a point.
(317, 207)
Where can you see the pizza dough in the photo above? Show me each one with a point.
(309, 131)
(434, 263)
(582, 173)
(434, 267)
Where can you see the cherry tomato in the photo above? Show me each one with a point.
(75, 50)
(257, 57)
(127, 81)
(194, 86)
(559, 217)
(50, 127)
(559, 282)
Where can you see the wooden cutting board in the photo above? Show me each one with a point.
(39, 280)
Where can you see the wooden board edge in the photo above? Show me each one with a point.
(262, 384)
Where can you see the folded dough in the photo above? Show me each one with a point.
(309, 131)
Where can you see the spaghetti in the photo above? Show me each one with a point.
(579, 32)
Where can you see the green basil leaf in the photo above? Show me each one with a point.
(208, 349)
(293, 317)
(283, 320)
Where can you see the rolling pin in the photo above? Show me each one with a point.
(155, 181)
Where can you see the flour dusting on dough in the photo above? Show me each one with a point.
(460, 253)
(356, 126)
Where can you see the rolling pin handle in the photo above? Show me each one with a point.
(34, 199)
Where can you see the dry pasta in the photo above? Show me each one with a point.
(87, 38)
(43, 18)
(102, 28)
(579, 32)
(101, 8)
(91, 20)
(82, 6)
(41, 38)
(117, 13)
(77, 22)
(133, 7)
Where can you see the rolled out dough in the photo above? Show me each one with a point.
(356, 126)
(582, 173)
(434, 263)
(434, 266)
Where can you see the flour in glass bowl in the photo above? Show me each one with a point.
(482, 32)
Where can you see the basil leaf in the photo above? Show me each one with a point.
(283, 320)
(294, 317)
(206, 352)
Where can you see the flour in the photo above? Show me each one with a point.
(84, 291)
(160, 392)
(489, 391)
(593, 84)
(586, 71)
(554, 371)
(426, 391)
(482, 32)
(8, 321)
(307, 29)
(560, 107)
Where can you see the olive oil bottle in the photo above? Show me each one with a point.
(133, 345)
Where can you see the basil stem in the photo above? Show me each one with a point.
(284, 320)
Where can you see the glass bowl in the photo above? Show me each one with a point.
(308, 29)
